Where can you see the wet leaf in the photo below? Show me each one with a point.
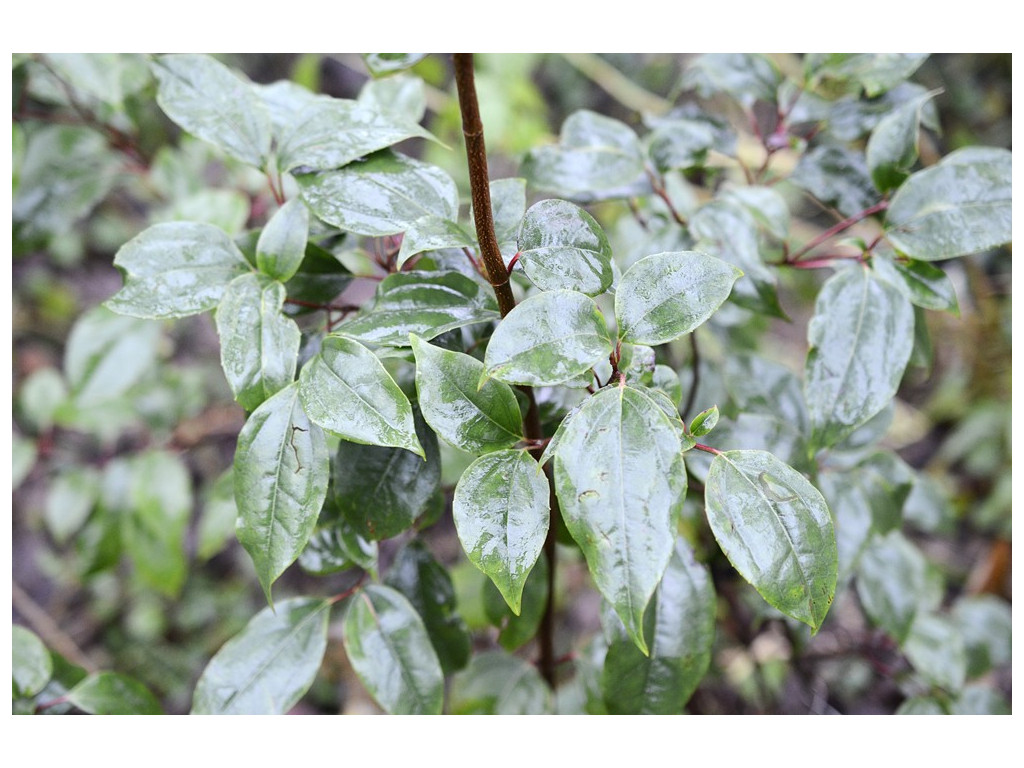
(381, 64)
(432, 233)
(744, 76)
(894, 584)
(282, 243)
(893, 147)
(561, 246)
(110, 693)
(704, 422)
(776, 530)
(924, 284)
(498, 684)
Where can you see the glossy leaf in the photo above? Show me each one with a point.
(960, 205)
(175, 269)
(893, 147)
(508, 206)
(380, 490)
(561, 246)
(268, 666)
(759, 385)
(428, 587)
(874, 72)
(924, 284)
(281, 473)
(390, 650)
(547, 339)
(338, 547)
(776, 530)
(160, 498)
(894, 584)
(432, 233)
(258, 344)
(382, 195)
(108, 77)
(620, 480)
(214, 104)
(680, 144)
(330, 133)
(936, 649)
(501, 513)
(282, 243)
(346, 390)
(861, 337)
(321, 278)
(498, 684)
(838, 176)
(851, 518)
(667, 295)
(515, 631)
(704, 422)
(385, 63)
(110, 693)
(31, 665)
(402, 96)
(596, 158)
(426, 304)
(680, 622)
(107, 354)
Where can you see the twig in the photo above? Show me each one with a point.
(52, 635)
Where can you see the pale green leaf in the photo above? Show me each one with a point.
(561, 246)
(432, 233)
(110, 693)
(498, 684)
(936, 650)
(31, 665)
(893, 147)
(282, 243)
(70, 498)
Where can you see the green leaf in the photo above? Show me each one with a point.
(861, 337)
(281, 472)
(474, 419)
(23, 458)
(874, 72)
(498, 684)
(175, 269)
(893, 147)
(936, 650)
(765, 204)
(979, 699)
(40, 396)
(680, 144)
(282, 244)
(428, 587)
(958, 206)
(402, 96)
(382, 195)
(107, 354)
(321, 278)
(894, 584)
(426, 304)
(620, 481)
(746, 77)
(508, 206)
(258, 345)
(985, 621)
(71, 497)
(214, 104)
(217, 519)
(346, 390)
(596, 158)
(432, 233)
(851, 518)
(561, 246)
(160, 497)
(338, 547)
(667, 295)
(108, 77)
(680, 621)
(776, 530)
(837, 176)
(925, 285)
(31, 665)
(704, 422)
(501, 513)
(758, 385)
(109, 693)
(330, 133)
(547, 339)
(515, 631)
(391, 653)
(381, 491)
(381, 64)
(268, 666)
(921, 705)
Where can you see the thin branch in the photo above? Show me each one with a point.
(44, 626)
(616, 84)
(695, 385)
(842, 226)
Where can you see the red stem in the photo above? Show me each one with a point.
(842, 226)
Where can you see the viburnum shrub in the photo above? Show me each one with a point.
(571, 363)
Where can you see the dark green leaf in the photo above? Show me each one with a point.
(160, 494)
(107, 354)
(108, 693)
(498, 684)
(267, 667)
(561, 246)
(936, 649)
(282, 244)
(428, 587)
(338, 547)
(501, 513)
(776, 530)
(758, 385)
(385, 63)
(680, 622)
(852, 117)
(475, 419)
(320, 279)
(744, 76)
(893, 147)
(31, 665)
(680, 144)
(426, 304)
(432, 233)
(346, 390)
(175, 269)
(620, 480)
(547, 339)
(281, 473)
(667, 295)
(390, 650)
(861, 337)
(704, 422)
(894, 584)
(258, 345)
(874, 72)
(851, 518)
(596, 158)
(837, 176)
(516, 631)
(330, 133)
(214, 104)
(382, 195)
(382, 490)
(959, 206)
(924, 284)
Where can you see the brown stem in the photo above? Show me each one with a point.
(842, 226)
(479, 182)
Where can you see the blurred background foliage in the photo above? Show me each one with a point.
(113, 415)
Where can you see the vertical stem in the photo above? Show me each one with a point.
(498, 276)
